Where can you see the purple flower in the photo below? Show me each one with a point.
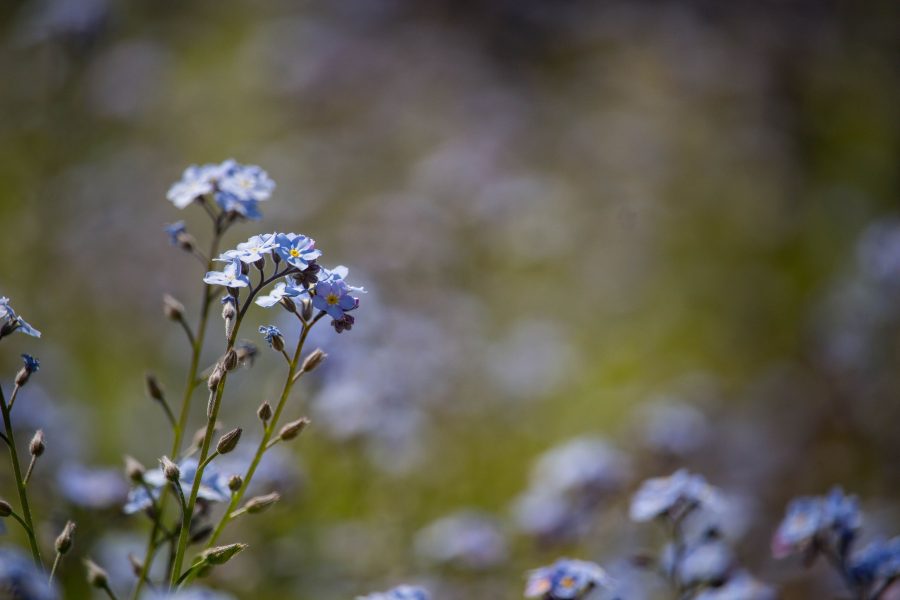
(231, 276)
(566, 579)
(297, 250)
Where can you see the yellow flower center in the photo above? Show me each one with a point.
(294, 252)
(567, 582)
(332, 299)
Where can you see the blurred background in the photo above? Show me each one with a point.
(602, 240)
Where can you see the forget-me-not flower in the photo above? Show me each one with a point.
(246, 183)
(175, 231)
(297, 250)
(231, 276)
(20, 578)
(213, 485)
(679, 492)
(196, 181)
(272, 335)
(878, 561)
(832, 520)
(334, 298)
(565, 579)
(31, 363)
(403, 592)
(279, 291)
(255, 248)
(10, 321)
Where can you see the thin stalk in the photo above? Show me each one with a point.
(12, 397)
(178, 426)
(212, 417)
(20, 482)
(30, 469)
(269, 429)
(53, 569)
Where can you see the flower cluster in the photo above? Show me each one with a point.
(236, 188)
(566, 579)
(829, 526)
(10, 321)
(300, 279)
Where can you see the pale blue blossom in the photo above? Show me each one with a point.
(213, 485)
(10, 321)
(231, 276)
(565, 579)
(297, 250)
(278, 292)
(679, 492)
(195, 182)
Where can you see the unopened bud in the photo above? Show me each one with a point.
(293, 429)
(306, 309)
(5, 509)
(172, 308)
(230, 360)
(134, 469)
(154, 390)
(258, 504)
(31, 366)
(64, 540)
(37, 443)
(288, 304)
(264, 412)
(96, 576)
(235, 482)
(215, 377)
(260, 264)
(170, 469)
(221, 554)
(229, 441)
(137, 567)
(314, 359)
(228, 314)
(185, 241)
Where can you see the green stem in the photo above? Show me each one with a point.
(264, 444)
(20, 482)
(179, 425)
(109, 591)
(212, 417)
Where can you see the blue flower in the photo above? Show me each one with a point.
(195, 182)
(297, 250)
(279, 291)
(255, 248)
(403, 592)
(672, 496)
(175, 231)
(879, 561)
(708, 561)
(246, 183)
(20, 578)
(565, 579)
(231, 276)
(249, 209)
(832, 520)
(213, 486)
(273, 336)
(31, 363)
(334, 298)
(91, 488)
(10, 321)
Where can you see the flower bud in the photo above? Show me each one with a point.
(230, 360)
(31, 366)
(314, 359)
(64, 540)
(37, 443)
(96, 576)
(306, 309)
(258, 504)
(172, 308)
(221, 554)
(235, 482)
(134, 469)
(154, 390)
(5, 509)
(288, 304)
(185, 241)
(229, 441)
(170, 469)
(293, 429)
(260, 264)
(137, 567)
(229, 312)
(215, 377)
(264, 412)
